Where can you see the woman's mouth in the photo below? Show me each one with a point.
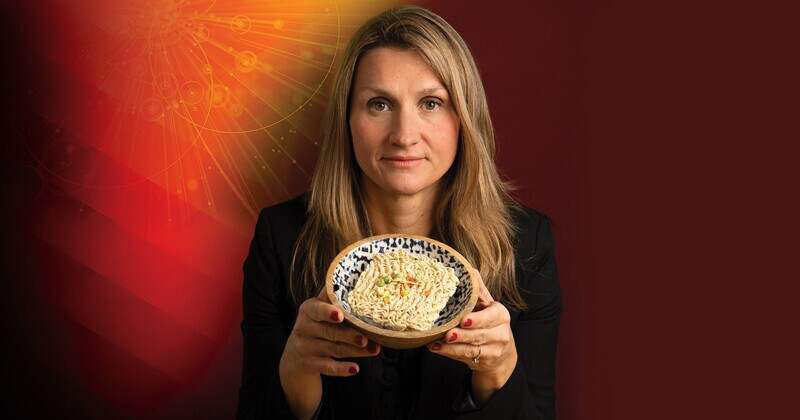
(403, 161)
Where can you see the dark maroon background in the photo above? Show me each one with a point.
(650, 134)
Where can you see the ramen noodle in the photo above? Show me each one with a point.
(399, 290)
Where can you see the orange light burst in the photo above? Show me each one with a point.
(218, 102)
(165, 126)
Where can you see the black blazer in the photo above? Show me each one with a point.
(398, 384)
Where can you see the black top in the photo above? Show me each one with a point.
(398, 384)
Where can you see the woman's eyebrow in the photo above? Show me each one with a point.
(426, 91)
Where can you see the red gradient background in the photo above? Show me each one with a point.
(627, 125)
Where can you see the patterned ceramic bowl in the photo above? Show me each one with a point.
(344, 270)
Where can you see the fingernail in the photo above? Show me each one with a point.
(360, 340)
(436, 346)
(467, 322)
(335, 316)
(353, 370)
(452, 338)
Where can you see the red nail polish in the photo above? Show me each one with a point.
(335, 316)
(436, 346)
(468, 322)
(372, 347)
(353, 370)
(452, 338)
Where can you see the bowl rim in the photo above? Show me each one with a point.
(404, 334)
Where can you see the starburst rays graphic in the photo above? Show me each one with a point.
(161, 130)
(217, 101)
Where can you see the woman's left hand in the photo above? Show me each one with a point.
(484, 341)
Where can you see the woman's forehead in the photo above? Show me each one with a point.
(389, 70)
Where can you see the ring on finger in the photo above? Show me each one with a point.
(477, 359)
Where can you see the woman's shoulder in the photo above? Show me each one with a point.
(533, 227)
(537, 275)
(524, 215)
(285, 219)
(293, 208)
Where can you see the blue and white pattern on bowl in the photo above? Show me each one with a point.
(357, 260)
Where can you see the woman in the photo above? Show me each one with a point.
(409, 148)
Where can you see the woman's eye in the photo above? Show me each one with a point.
(431, 105)
(379, 106)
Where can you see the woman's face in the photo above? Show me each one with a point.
(404, 128)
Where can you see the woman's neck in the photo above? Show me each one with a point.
(406, 214)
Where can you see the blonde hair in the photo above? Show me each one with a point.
(473, 213)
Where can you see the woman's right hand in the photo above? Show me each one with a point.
(319, 338)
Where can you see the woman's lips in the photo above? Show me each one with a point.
(403, 162)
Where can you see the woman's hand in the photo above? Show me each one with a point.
(316, 341)
(319, 338)
(484, 342)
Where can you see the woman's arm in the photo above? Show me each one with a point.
(265, 329)
(528, 393)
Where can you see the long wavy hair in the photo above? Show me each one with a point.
(473, 213)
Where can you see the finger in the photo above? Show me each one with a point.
(484, 297)
(484, 289)
(484, 300)
(341, 350)
(493, 315)
(323, 295)
(338, 333)
(487, 294)
(469, 320)
(463, 352)
(500, 333)
(330, 367)
(480, 305)
(321, 311)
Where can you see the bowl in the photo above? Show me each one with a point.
(345, 268)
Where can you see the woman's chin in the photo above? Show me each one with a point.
(405, 188)
(401, 184)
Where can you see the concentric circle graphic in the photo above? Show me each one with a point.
(207, 98)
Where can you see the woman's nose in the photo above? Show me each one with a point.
(405, 129)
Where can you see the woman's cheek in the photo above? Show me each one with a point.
(369, 134)
(362, 144)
